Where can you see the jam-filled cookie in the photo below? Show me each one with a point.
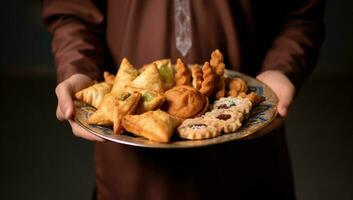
(242, 105)
(197, 129)
(226, 120)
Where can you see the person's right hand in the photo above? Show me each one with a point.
(66, 110)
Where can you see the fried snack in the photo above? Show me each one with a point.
(220, 86)
(150, 100)
(236, 86)
(216, 58)
(153, 125)
(254, 98)
(125, 75)
(184, 101)
(226, 120)
(109, 78)
(182, 76)
(113, 108)
(149, 79)
(218, 68)
(94, 94)
(197, 129)
(165, 70)
(196, 74)
(208, 82)
(204, 109)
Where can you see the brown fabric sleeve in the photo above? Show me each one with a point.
(295, 50)
(77, 36)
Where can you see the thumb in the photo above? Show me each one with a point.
(64, 93)
(283, 88)
(284, 104)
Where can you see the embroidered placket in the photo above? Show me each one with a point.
(182, 26)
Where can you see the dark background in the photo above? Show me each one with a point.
(40, 159)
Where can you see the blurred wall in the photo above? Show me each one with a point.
(26, 44)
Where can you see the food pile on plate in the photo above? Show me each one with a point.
(159, 100)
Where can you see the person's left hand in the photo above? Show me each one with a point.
(282, 86)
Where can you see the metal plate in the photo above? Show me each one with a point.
(261, 115)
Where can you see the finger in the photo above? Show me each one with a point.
(285, 100)
(82, 133)
(59, 115)
(64, 94)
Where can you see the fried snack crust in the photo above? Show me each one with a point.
(208, 82)
(254, 98)
(150, 100)
(149, 79)
(216, 58)
(125, 107)
(218, 67)
(184, 101)
(182, 75)
(196, 73)
(94, 94)
(153, 125)
(109, 78)
(113, 108)
(125, 75)
(236, 86)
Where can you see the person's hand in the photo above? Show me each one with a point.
(66, 110)
(283, 88)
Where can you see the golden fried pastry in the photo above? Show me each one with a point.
(149, 79)
(204, 109)
(208, 82)
(226, 120)
(243, 105)
(182, 76)
(236, 86)
(254, 98)
(218, 68)
(153, 125)
(197, 129)
(165, 71)
(113, 108)
(184, 101)
(125, 75)
(220, 80)
(150, 100)
(94, 94)
(109, 78)
(216, 58)
(196, 73)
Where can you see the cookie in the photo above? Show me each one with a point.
(226, 120)
(197, 129)
(243, 105)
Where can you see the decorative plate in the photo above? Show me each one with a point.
(261, 115)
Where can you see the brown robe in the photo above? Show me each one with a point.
(254, 35)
